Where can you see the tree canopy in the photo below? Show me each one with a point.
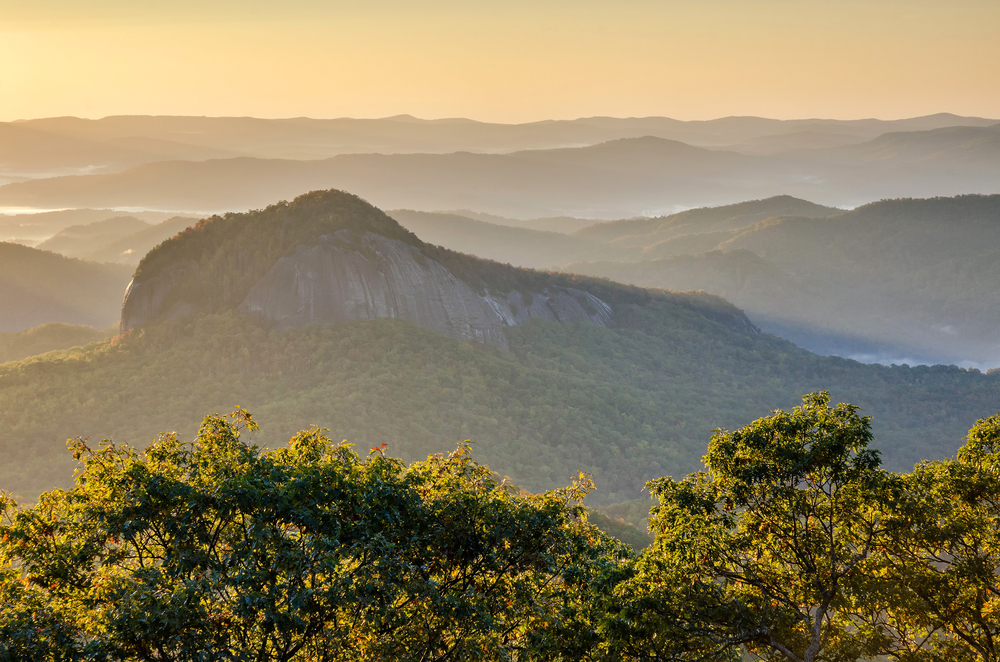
(794, 544)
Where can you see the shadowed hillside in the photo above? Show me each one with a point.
(896, 279)
(38, 287)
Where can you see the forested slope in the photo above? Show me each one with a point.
(16, 345)
(904, 278)
(626, 405)
(38, 287)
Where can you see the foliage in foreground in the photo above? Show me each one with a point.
(794, 545)
(221, 551)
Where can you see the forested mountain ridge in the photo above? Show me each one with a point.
(645, 232)
(908, 279)
(630, 239)
(81, 240)
(329, 256)
(627, 400)
(122, 239)
(17, 345)
(520, 246)
(37, 287)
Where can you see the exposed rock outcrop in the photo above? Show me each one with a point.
(329, 256)
(347, 276)
(143, 301)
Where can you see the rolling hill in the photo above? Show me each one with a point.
(122, 239)
(38, 287)
(646, 176)
(16, 345)
(81, 240)
(33, 228)
(895, 280)
(521, 246)
(68, 142)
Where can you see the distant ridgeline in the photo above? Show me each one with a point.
(328, 256)
(564, 373)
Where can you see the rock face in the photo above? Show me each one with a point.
(143, 301)
(347, 276)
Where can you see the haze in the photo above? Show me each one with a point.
(515, 62)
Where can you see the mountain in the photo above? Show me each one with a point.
(898, 280)
(325, 311)
(641, 176)
(38, 287)
(598, 180)
(647, 232)
(956, 144)
(130, 248)
(329, 256)
(81, 240)
(32, 228)
(32, 148)
(59, 145)
(520, 246)
(563, 224)
(694, 230)
(122, 239)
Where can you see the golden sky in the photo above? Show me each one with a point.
(506, 61)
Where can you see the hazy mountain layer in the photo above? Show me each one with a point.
(68, 145)
(644, 233)
(122, 239)
(81, 240)
(563, 224)
(896, 280)
(637, 176)
(38, 287)
(34, 228)
(520, 246)
(692, 231)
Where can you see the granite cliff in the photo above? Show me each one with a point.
(329, 257)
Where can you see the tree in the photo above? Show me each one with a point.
(944, 597)
(772, 541)
(219, 550)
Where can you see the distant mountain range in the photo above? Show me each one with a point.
(613, 179)
(114, 143)
(32, 228)
(593, 168)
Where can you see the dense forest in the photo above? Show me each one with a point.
(793, 543)
(15, 345)
(625, 405)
